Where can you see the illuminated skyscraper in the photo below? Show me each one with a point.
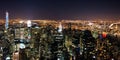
(60, 27)
(7, 21)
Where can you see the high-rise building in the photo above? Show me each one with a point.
(7, 21)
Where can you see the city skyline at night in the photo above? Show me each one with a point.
(59, 30)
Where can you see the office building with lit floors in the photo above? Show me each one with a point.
(58, 45)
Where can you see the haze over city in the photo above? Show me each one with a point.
(60, 9)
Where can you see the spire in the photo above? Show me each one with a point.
(7, 21)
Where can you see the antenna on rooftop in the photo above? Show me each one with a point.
(7, 21)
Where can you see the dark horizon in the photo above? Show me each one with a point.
(60, 9)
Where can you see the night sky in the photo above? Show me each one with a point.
(60, 9)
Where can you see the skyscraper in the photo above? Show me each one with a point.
(7, 21)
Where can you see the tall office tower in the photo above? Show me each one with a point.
(7, 21)
(60, 27)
